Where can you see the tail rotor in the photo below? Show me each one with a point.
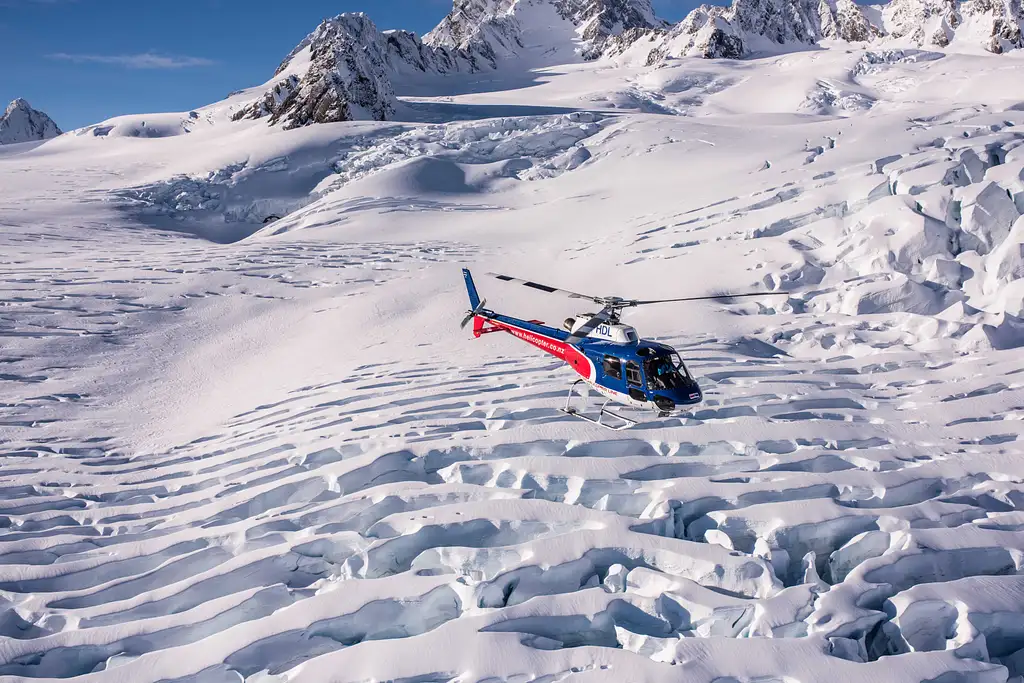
(473, 313)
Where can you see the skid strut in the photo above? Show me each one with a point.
(605, 418)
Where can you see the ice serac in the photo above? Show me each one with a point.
(21, 123)
(338, 73)
(503, 27)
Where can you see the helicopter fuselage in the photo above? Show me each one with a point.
(642, 374)
(607, 355)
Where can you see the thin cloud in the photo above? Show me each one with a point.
(145, 60)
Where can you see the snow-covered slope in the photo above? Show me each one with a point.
(21, 123)
(338, 73)
(992, 24)
(552, 30)
(346, 69)
(343, 70)
(245, 439)
(770, 26)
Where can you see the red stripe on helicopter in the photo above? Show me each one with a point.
(555, 347)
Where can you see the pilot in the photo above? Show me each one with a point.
(658, 373)
(663, 373)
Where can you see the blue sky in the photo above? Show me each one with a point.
(82, 61)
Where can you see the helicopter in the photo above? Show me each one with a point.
(610, 357)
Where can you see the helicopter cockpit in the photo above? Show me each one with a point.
(668, 378)
(666, 372)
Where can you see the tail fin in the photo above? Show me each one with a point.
(474, 298)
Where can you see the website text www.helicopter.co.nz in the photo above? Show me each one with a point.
(539, 341)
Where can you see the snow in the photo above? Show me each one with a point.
(245, 439)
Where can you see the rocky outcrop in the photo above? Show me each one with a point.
(1001, 20)
(749, 26)
(844, 20)
(923, 22)
(342, 71)
(602, 23)
(499, 27)
(406, 53)
(779, 21)
(338, 73)
(996, 23)
(705, 32)
(21, 123)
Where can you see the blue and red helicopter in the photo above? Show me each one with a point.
(609, 357)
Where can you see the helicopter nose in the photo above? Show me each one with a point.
(689, 395)
(664, 404)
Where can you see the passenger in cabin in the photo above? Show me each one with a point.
(661, 373)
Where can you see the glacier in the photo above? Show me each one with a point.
(244, 438)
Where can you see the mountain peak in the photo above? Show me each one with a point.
(996, 24)
(21, 123)
(508, 26)
(337, 73)
(18, 103)
(751, 26)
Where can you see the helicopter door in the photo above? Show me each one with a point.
(635, 381)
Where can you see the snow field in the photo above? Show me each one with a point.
(277, 459)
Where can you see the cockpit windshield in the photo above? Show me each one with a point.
(678, 364)
(666, 371)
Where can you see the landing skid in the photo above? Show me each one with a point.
(605, 418)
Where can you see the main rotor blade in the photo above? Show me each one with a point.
(543, 288)
(591, 325)
(709, 298)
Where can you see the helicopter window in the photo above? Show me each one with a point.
(662, 373)
(680, 367)
(613, 367)
(633, 374)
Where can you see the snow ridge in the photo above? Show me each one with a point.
(342, 72)
(504, 26)
(346, 78)
(21, 123)
(749, 26)
(753, 26)
(993, 24)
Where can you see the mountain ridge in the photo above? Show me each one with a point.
(343, 70)
(20, 122)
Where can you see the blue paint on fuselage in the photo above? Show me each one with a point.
(686, 392)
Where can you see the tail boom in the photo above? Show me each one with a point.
(548, 339)
(535, 333)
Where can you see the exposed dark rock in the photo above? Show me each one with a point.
(21, 123)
